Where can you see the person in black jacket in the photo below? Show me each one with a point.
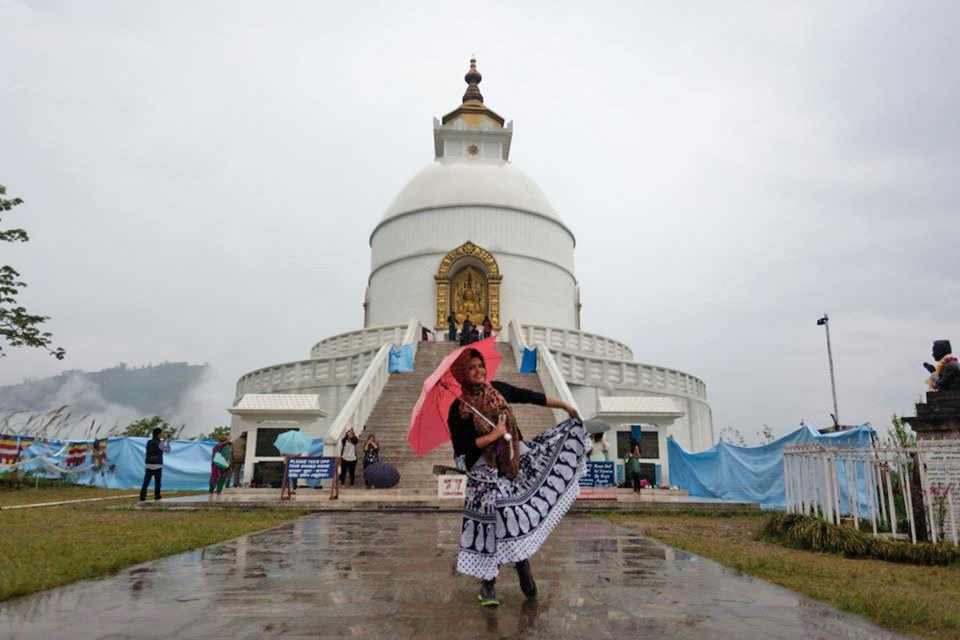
(153, 463)
(517, 490)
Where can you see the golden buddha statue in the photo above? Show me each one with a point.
(470, 307)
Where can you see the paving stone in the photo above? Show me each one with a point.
(390, 575)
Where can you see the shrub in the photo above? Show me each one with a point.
(813, 534)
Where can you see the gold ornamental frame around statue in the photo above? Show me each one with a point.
(468, 249)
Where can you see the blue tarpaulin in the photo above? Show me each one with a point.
(529, 362)
(752, 474)
(401, 359)
(187, 466)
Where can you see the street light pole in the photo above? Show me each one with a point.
(825, 321)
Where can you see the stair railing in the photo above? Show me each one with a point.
(551, 377)
(358, 407)
(412, 335)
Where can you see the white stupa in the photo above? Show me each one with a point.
(472, 235)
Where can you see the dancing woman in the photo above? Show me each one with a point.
(517, 490)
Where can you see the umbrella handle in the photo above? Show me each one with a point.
(506, 436)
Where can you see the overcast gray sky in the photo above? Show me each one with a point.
(201, 178)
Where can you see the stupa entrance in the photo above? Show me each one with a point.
(468, 285)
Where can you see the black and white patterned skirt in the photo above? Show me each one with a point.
(507, 520)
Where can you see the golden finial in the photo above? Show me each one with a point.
(473, 78)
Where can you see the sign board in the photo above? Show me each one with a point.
(451, 486)
(943, 474)
(600, 493)
(308, 468)
(599, 474)
(311, 467)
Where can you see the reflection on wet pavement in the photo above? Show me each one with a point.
(390, 575)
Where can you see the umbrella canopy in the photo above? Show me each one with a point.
(292, 443)
(428, 423)
(381, 475)
(596, 426)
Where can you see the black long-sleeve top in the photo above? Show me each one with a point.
(464, 435)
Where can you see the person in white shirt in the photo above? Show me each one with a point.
(348, 457)
(600, 451)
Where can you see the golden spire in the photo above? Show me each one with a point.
(473, 78)
(472, 112)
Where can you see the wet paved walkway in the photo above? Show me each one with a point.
(390, 576)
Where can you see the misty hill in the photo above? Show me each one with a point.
(149, 390)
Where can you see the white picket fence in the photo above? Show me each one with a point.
(861, 483)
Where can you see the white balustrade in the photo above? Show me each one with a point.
(587, 370)
(368, 339)
(317, 372)
(569, 353)
(551, 378)
(344, 361)
(358, 407)
(580, 342)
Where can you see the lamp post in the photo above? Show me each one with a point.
(825, 321)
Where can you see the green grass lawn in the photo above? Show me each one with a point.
(29, 495)
(50, 546)
(918, 600)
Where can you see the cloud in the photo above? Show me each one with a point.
(201, 186)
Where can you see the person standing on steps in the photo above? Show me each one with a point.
(153, 463)
(517, 490)
(452, 327)
(348, 457)
(371, 455)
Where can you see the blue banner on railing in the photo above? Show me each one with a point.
(599, 474)
(310, 468)
(401, 359)
(529, 362)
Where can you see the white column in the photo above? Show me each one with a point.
(662, 445)
(248, 456)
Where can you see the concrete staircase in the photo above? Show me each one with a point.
(390, 418)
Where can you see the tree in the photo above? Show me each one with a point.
(732, 436)
(766, 434)
(144, 427)
(18, 327)
(217, 433)
(900, 435)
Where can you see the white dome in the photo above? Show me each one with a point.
(453, 182)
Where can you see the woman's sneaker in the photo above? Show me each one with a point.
(488, 597)
(527, 585)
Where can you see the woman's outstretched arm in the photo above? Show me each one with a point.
(554, 403)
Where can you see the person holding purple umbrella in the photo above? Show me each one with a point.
(517, 490)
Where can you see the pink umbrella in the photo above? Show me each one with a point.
(428, 422)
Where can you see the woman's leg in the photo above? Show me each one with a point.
(488, 595)
(352, 468)
(527, 584)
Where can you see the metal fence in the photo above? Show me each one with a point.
(885, 485)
